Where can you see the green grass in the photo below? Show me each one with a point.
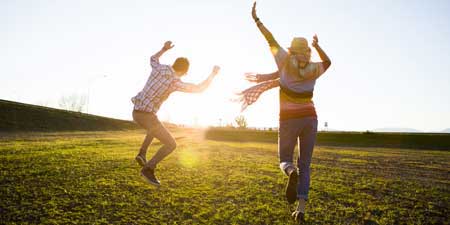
(426, 141)
(90, 177)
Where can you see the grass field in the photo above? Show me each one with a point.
(90, 177)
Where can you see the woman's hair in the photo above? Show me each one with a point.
(292, 64)
(181, 65)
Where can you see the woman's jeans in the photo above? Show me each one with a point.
(155, 129)
(291, 132)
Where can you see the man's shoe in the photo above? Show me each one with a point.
(291, 187)
(140, 160)
(298, 216)
(149, 176)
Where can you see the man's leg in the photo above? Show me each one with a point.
(141, 156)
(287, 140)
(144, 147)
(145, 121)
(155, 129)
(169, 144)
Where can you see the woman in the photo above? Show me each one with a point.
(296, 77)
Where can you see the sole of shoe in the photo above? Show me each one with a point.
(291, 188)
(149, 181)
(298, 217)
(140, 160)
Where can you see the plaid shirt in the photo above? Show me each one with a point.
(161, 83)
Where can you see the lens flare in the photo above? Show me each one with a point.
(189, 158)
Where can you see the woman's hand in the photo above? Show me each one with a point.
(315, 42)
(255, 17)
(167, 45)
(252, 77)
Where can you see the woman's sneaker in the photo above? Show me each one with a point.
(298, 216)
(291, 187)
(140, 160)
(149, 176)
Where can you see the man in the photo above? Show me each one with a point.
(163, 80)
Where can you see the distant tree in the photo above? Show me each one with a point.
(241, 121)
(73, 102)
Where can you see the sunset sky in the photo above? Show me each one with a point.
(390, 59)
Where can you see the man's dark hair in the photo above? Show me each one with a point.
(181, 65)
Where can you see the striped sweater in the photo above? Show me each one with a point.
(292, 107)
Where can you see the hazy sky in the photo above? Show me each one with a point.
(390, 59)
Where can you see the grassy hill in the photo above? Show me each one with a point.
(15, 116)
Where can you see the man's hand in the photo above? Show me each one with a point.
(252, 77)
(315, 42)
(168, 45)
(255, 17)
(215, 70)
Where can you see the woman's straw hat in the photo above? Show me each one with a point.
(299, 45)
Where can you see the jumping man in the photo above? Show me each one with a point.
(163, 80)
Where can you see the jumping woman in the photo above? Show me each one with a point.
(296, 77)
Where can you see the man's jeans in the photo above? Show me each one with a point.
(155, 129)
(291, 132)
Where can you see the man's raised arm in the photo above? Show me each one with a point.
(154, 60)
(196, 88)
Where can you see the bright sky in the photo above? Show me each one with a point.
(391, 59)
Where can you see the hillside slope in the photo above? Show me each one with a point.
(15, 116)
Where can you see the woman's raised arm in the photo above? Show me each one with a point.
(277, 51)
(267, 34)
(326, 62)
